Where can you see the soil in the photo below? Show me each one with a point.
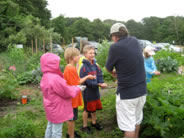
(6, 106)
(9, 106)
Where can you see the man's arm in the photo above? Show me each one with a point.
(111, 61)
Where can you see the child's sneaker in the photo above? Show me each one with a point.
(97, 126)
(86, 129)
(76, 135)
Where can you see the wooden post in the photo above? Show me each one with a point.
(32, 46)
(51, 46)
(43, 45)
(72, 41)
(36, 44)
(63, 43)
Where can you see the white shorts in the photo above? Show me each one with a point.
(129, 112)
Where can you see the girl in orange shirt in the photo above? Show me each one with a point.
(72, 56)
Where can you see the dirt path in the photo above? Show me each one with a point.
(10, 106)
(33, 92)
(111, 86)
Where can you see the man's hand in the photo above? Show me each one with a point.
(114, 74)
(102, 85)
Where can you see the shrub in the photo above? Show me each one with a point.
(33, 62)
(21, 127)
(167, 53)
(33, 76)
(167, 64)
(37, 75)
(16, 57)
(106, 75)
(16, 54)
(102, 54)
(62, 62)
(8, 85)
(164, 109)
(25, 77)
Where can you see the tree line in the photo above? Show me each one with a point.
(28, 21)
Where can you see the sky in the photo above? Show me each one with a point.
(120, 10)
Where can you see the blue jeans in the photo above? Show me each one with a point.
(53, 130)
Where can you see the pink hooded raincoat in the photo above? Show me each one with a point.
(56, 93)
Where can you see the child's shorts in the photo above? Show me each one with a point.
(92, 106)
(75, 113)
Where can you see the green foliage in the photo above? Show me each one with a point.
(106, 75)
(167, 29)
(167, 53)
(24, 78)
(102, 54)
(62, 62)
(21, 127)
(8, 85)
(33, 62)
(167, 65)
(164, 109)
(101, 58)
(13, 15)
(27, 66)
(16, 54)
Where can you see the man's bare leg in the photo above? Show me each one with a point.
(137, 131)
(129, 134)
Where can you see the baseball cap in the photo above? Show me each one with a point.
(115, 28)
(149, 50)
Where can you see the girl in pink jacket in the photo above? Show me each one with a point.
(56, 95)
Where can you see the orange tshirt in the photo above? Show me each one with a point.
(72, 78)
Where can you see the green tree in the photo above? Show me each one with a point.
(37, 8)
(135, 29)
(59, 26)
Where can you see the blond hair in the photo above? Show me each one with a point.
(70, 53)
(87, 48)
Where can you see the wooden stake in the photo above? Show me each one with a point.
(51, 46)
(72, 42)
(43, 45)
(36, 44)
(32, 46)
(63, 43)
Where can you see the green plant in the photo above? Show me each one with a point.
(167, 53)
(62, 62)
(25, 77)
(34, 61)
(164, 108)
(167, 64)
(16, 54)
(102, 54)
(17, 57)
(8, 85)
(21, 127)
(106, 75)
(36, 75)
(33, 76)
